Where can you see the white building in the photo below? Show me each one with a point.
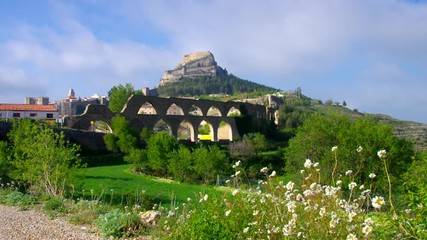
(33, 111)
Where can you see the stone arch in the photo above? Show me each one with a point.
(213, 112)
(161, 125)
(174, 109)
(101, 126)
(186, 131)
(225, 132)
(195, 111)
(233, 111)
(147, 109)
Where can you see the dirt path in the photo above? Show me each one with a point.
(31, 224)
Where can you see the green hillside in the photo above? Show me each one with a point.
(227, 85)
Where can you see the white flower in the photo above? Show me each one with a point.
(264, 170)
(382, 153)
(334, 148)
(322, 211)
(227, 181)
(362, 187)
(368, 221)
(377, 202)
(235, 192)
(237, 173)
(359, 149)
(352, 185)
(227, 213)
(290, 185)
(307, 163)
(246, 229)
(367, 229)
(351, 236)
(237, 164)
(349, 172)
(315, 164)
(273, 174)
(339, 182)
(372, 175)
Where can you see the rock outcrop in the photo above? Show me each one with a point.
(194, 65)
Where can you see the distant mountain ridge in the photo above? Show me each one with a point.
(199, 64)
(199, 74)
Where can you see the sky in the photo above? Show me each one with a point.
(372, 54)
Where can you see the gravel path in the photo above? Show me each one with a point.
(34, 225)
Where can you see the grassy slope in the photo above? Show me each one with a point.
(125, 183)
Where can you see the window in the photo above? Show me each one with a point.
(49, 115)
(33, 114)
(16, 115)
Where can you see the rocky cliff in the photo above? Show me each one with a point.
(194, 65)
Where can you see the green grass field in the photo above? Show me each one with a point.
(124, 187)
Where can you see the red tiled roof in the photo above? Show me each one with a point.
(27, 107)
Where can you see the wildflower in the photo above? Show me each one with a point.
(237, 164)
(316, 164)
(246, 230)
(322, 211)
(367, 229)
(372, 175)
(237, 173)
(302, 171)
(235, 192)
(255, 213)
(352, 185)
(382, 153)
(351, 236)
(359, 149)
(204, 198)
(290, 185)
(339, 182)
(377, 202)
(349, 172)
(273, 174)
(362, 187)
(334, 148)
(227, 181)
(307, 163)
(264, 170)
(188, 199)
(227, 213)
(368, 221)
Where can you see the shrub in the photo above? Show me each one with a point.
(16, 198)
(118, 223)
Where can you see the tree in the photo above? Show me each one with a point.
(208, 163)
(119, 95)
(4, 161)
(159, 146)
(123, 138)
(320, 133)
(181, 164)
(43, 158)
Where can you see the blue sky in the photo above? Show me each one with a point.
(370, 53)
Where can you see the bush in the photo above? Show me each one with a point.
(16, 198)
(118, 223)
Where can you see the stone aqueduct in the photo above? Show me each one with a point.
(147, 111)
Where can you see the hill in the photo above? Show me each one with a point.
(218, 85)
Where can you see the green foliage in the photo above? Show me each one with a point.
(291, 117)
(257, 140)
(42, 158)
(118, 223)
(138, 158)
(5, 166)
(181, 164)
(123, 138)
(158, 148)
(54, 204)
(208, 163)
(119, 95)
(320, 133)
(16, 198)
(210, 85)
